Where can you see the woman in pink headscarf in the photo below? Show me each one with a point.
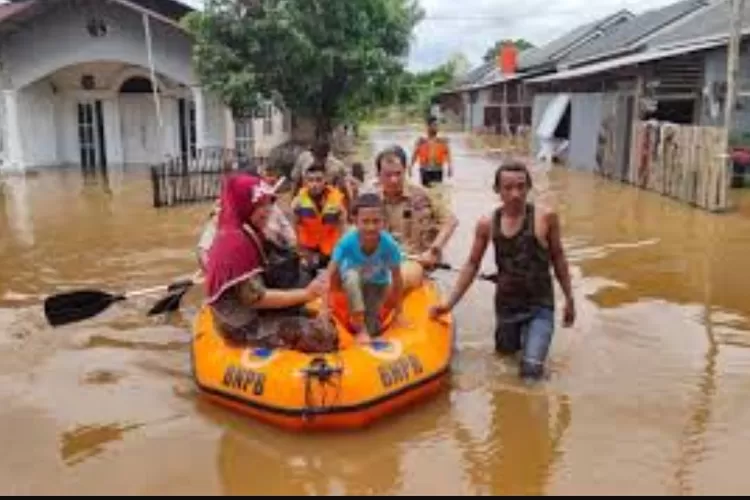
(237, 271)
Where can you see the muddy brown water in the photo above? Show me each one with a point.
(647, 394)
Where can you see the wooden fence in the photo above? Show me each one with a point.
(180, 181)
(681, 161)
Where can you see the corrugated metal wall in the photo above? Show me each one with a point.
(586, 118)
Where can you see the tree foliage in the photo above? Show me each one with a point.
(417, 88)
(521, 44)
(323, 59)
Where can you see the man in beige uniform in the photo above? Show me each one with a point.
(421, 224)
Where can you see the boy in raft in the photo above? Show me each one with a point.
(527, 244)
(421, 224)
(319, 215)
(366, 264)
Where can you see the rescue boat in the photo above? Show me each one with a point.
(349, 389)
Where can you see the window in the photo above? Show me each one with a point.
(243, 137)
(268, 114)
(97, 27)
(510, 109)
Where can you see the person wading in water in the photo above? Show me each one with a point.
(527, 242)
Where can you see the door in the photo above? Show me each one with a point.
(186, 109)
(91, 141)
(140, 129)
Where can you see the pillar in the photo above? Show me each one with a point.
(14, 143)
(200, 118)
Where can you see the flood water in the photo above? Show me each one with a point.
(646, 394)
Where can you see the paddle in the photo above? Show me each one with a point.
(71, 307)
(177, 291)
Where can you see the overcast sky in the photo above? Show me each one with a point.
(471, 26)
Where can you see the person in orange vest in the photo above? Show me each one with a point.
(433, 156)
(320, 217)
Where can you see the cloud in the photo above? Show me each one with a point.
(471, 26)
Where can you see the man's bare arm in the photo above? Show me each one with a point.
(471, 267)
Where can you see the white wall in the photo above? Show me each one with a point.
(36, 113)
(477, 117)
(265, 142)
(58, 38)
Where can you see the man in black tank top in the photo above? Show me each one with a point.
(527, 245)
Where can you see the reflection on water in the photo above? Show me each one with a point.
(88, 441)
(646, 394)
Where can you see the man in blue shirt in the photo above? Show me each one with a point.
(366, 263)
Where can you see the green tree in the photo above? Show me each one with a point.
(521, 44)
(321, 59)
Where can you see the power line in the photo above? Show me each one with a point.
(475, 18)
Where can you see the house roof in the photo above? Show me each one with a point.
(711, 22)
(628, 60)
(560, 47)
(625, 36)
(530, 60)
(17, 10)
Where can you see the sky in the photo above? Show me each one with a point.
(471, 26)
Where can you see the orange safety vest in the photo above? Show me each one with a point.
(432, 153)
(319, 230)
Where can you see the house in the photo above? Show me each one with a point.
(104, 82)
(667, 64)
(486, 98)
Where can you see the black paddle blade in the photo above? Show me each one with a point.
(170, 303)
(71, 307)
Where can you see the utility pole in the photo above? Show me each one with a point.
(733, 71)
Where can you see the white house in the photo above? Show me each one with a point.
(76, 79)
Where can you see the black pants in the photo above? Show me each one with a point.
(431, 176)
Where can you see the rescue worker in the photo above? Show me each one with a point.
(320, 218)
(432, 155)
(335, 170)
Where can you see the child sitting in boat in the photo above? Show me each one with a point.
(366, 264)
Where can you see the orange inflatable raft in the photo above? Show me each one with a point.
(348, 389)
